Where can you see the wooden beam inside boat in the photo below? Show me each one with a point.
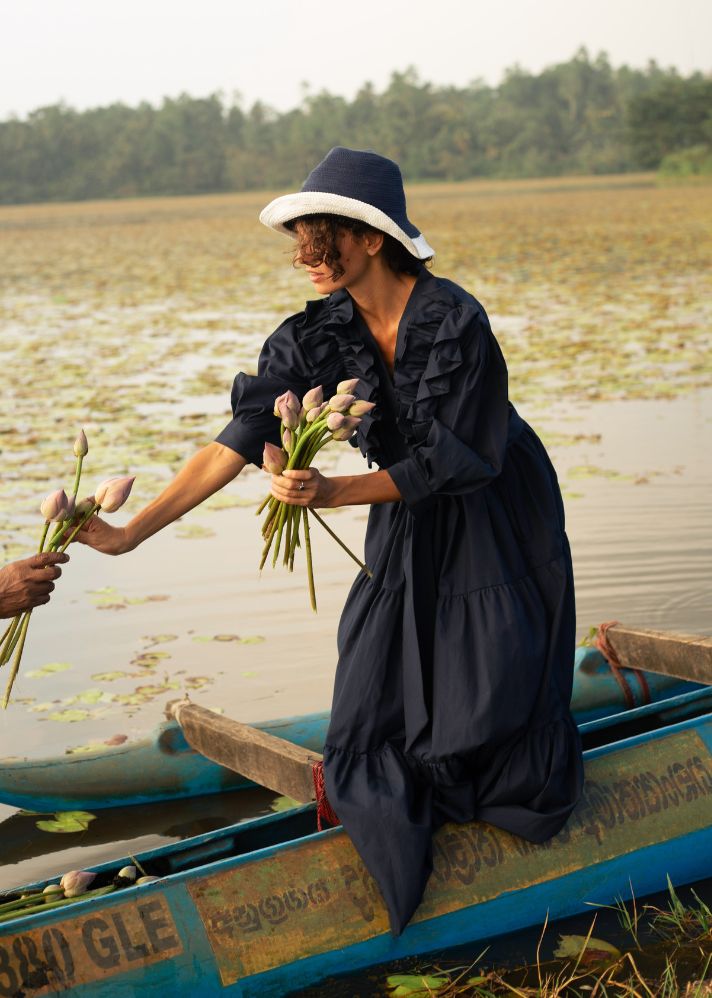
(684, 656)
(265, 759)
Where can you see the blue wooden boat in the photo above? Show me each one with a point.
(271, 905)
(164, 767)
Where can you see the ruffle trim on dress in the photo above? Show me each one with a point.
(359, 362)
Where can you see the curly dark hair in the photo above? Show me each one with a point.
(316, 243)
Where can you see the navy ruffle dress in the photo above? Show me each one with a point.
(451, 699)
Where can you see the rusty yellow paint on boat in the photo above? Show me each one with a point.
(93, 947)
(317, 895)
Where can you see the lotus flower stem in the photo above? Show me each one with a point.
(18, 655)
(310, 569)
(7, 631)
(45, 905)
(338, 540)
(265, 502)
(12, 639)
(268, 542)
(280, 528)
(43, 538)
(87, 516)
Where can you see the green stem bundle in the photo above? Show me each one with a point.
(283, 520)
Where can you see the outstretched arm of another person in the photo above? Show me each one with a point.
(204, 474)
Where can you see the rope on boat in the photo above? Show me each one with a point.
(324, 811)
(606, 649)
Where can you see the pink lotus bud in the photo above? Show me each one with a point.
(347, 387)
(315, 413)
(287, 441)
(343, 434)
(81, 446)
(113, 493)
(335, 420)
(76, 882)
(350, 422)
(54, 507)
(313, 398)
(83, 507)
(360, 408)
(289, 417)
(274, 459)
(340, 403)
(71, 508)
(290, 400)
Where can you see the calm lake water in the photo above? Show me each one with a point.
(131, 319)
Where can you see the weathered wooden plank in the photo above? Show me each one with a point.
(685, 656)
(269, 761)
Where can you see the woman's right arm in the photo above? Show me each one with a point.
(205, 473)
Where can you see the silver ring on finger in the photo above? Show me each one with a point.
(301, 486)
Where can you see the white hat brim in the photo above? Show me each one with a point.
(290, 206)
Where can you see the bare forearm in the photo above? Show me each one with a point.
(204, 474)
(357, 490)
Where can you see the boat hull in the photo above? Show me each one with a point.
(164, 767)
(284, 914)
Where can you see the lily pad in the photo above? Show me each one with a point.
(414, 984)
(283, 804)
(590, 951)
(67, 821)
(109, 677)
(70, 715)
(48, 670)
(159, 639)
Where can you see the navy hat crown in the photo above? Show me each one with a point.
(352, 183)
(365, 176)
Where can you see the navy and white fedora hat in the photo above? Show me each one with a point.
(356, 184)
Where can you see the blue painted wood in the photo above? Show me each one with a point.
(681, 849)
(164, 767)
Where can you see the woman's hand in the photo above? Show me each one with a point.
(305, 488)
(97, 534)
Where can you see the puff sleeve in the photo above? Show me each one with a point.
(457, 425)
(281, 366)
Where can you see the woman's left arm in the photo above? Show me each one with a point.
(321, 492)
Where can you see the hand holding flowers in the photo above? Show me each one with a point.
(69, 517)
(305, 428)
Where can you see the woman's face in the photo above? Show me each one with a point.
(356, 256)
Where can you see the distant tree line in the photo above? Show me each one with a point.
(581, 116)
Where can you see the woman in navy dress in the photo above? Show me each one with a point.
(452, 690)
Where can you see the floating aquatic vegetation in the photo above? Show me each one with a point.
(68, 821)
(48, 670)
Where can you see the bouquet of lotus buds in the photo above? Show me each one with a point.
(305, 428)
(69, 516)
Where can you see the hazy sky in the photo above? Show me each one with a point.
(93, 52)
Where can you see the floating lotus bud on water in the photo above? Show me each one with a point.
(347, 387)
(113, 493)
(54, 507)
(360, 408)
(315, 413)
(313, 398)
(274, 459)
(335, 420)
(127, 872)
(81, 446)
(76, 882)
(340, 403)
